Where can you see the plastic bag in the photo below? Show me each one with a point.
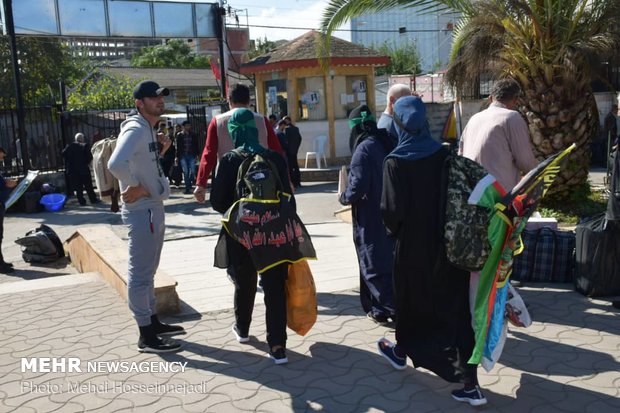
(301, 306)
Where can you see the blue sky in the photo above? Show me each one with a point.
(289, 13)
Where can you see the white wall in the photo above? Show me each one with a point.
(310, 129)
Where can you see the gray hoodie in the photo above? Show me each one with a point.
(135, 161)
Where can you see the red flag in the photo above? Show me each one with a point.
(215, 69)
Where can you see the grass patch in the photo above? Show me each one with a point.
(583, 202)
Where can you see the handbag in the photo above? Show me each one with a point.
(176, 174)
(301, 305)
(548, 256)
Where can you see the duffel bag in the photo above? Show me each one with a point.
(548, 256)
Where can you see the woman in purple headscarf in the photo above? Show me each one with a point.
(433, 322)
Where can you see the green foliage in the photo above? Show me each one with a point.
(174, 54)
(103, 91)
(43, 63)
(404, 59)
(261, 47)
(582, 202)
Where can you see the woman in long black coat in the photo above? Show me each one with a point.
(433, 322)
(375, 250)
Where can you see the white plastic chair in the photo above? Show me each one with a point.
(319, 146)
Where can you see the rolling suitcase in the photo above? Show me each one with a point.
(597, 256)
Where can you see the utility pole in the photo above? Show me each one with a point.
(220, 28)
(21, 129)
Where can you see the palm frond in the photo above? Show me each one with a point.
(337, 12)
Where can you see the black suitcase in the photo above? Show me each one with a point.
(597, 255)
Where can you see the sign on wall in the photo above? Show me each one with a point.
(113, 18)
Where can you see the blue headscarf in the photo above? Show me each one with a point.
(414, 137)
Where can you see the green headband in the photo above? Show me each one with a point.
(234, 125)
(365, 117)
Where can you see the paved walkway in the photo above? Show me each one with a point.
(567, 361)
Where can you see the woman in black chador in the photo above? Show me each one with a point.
(433, 322)
(375, 250)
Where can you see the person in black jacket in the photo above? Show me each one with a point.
(293, 140)
(236, 258)
(77, 160)
(375, 250)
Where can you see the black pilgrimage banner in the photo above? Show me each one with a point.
(270, 230)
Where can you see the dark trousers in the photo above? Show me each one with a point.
(293, 168)
(2, 210)
(81, 182)
(241, 270)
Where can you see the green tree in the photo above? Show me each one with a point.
(547, 46)
(102, 90)
(176, 53)
(43, 62)
(261, 47)
(404, 59)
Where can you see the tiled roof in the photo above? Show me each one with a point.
(175, 78)
(303, 50)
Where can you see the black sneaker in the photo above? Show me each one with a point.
(167, 330)
(380, 319)
(241, 338)
(6, 268)
(386, 349)
(158, 345)
(474, 396)
(278, 356)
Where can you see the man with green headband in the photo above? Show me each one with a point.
(218, 140)
(235, 256)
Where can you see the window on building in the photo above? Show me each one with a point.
(276, 98)
(349, 93)
(311, 98)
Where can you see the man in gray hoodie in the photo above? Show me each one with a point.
(144, 187)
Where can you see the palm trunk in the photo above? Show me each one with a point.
(557, 116)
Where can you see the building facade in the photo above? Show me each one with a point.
(431, 33)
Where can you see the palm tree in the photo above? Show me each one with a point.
(551, 47)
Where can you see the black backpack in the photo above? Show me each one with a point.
(41, 245)
(257, 178)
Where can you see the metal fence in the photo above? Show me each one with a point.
(48, 129)
(43, 140)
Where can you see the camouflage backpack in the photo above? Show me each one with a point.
(466, 226)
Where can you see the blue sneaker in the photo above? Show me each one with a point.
(386, 349)
(474, 396)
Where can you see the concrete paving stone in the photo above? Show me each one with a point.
(20, 391)
(275, 406)
(262, 395)
(200, 406)
(605, 382)
(43, 404)
(378, 401)
(21, 409)
(217, 403)
(603, 406)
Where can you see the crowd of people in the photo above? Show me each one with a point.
(397, 192)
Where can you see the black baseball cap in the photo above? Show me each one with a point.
(149, 89)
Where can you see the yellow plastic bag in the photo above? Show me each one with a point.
(301, 307)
